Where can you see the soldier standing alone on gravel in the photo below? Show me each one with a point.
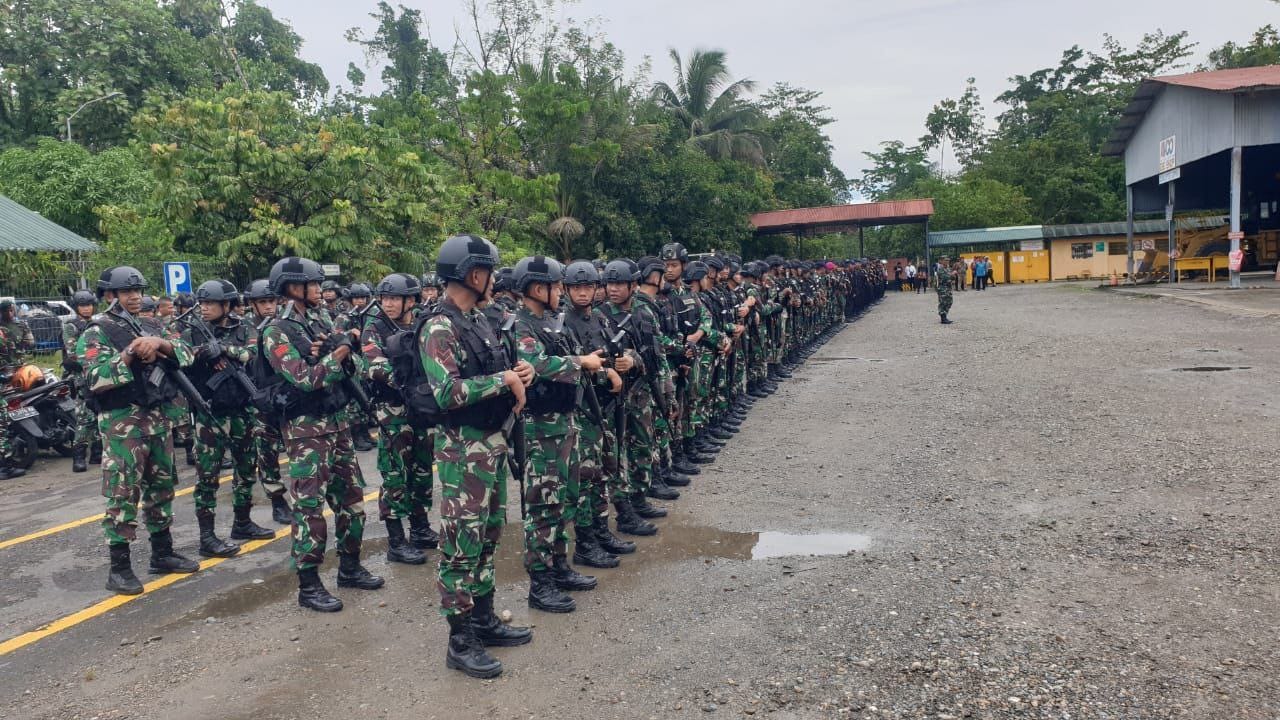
(942, 279)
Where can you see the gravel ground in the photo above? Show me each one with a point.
(1051, 523)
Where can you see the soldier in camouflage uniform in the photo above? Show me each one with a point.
(550, 431)
(479, 395)
(21, 340)
(404, 448)
(673, 467)
(310, 360)
(7, 468)
(268, 445)
(356, 297)
(182, 426)
(129, 392)
(223, 345)
(942, 278)
(595, 458)
(85, 304)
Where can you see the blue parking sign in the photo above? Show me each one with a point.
(177, 277)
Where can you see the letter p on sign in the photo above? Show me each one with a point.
(177, 277)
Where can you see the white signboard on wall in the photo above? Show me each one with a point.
(1168, 153)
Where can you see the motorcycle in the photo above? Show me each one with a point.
(41, 414)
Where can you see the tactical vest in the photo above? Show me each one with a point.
(150, 387)
(483, 355)
(544, 396)
(393, 338)
(218, 387)
(289, 401)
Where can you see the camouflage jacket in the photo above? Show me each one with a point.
(442, 355)
(106, 368)
(21, 341)
(546, 369)
(293, 367)
(71, 332)
(377, 370)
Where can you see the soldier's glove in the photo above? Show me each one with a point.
(209, 352)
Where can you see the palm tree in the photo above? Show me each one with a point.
(711, 108)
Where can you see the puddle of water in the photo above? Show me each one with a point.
(776, 544)
(1211, 368)
(673, 543)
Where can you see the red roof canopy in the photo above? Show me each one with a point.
(1233, 80)
(834, 218)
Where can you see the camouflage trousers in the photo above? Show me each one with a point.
(405, 455)
(594, 475)
(136, 470)
(472, 465)
(217, 435)
(640, 438)
(700, 393)
(181, 416)
(6, 449)
(86, 422)
(268, 446)
(757, 362)
(323, 469)
(944, 299)
(547, 480)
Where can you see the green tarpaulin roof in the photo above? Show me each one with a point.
(23, 229)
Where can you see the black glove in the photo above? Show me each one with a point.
(209, 352)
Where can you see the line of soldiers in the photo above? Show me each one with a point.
(599, 386)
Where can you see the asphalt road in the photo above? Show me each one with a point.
(1039, 511)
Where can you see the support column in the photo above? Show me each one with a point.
(862, 244)
(1168, 216)
(1236, 161)
(1128, 230)
(928, 254)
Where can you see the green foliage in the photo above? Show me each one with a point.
(1262, 49)
(800, 152)
(711, 108)
(65, 182)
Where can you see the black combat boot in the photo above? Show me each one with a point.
(95, 453)
(360, 439)
(719, 432)
(120, 578)
(754, 391)
(9, 471)
(421, 533)
(680, 462)
(490, 631)
(400, 550)
(629, 523)
(352, 574)
(191, 456)
(587, 550)
(79, 459)
(692, 454)
(164, 560)
(210, 544)
(566, 578)
(658, 489)
(465, 652)
(675, 479)
(312, 593)
(280, 511)
(644, 509)
(783, 372)
(731, 424)
(945, 321)
(545, 596)
(608, 542)
(244, 528)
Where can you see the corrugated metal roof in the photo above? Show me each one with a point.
(986, 236)
(1140, 227)
(23, 229)
(866, 214)
(1265, 78)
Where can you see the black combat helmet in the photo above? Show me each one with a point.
(330, 285)
(217, 291)
(502, 281)
(429, 279)
(695, 270)
(461, 254)
(622, 270)
(399, 285)
(357, 290)
(121, 277)
(581, 272)
(148, 304)
(259, 290)
(714, 263)
(83, 297)
(648, 266)
(536, 269)
(294, 270)
(184, 300)
(674, 251)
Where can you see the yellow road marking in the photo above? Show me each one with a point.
(98, 518)
(111, 603)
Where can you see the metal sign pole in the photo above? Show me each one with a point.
(1236, 235)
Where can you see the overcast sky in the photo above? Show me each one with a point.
(880, 65)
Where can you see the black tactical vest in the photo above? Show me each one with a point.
(290, 401)
(218, 387)
(545, 396)
(482, 355)
(150, 386)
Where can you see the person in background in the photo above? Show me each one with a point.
(979, 273)
(922, 279)
(991, 273)
(897, 276)
(911, 275)
(958, 273)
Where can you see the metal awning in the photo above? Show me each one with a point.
(842, 218)
(22, 229)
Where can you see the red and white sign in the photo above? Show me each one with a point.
(1168, 153)
(1236, 235)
